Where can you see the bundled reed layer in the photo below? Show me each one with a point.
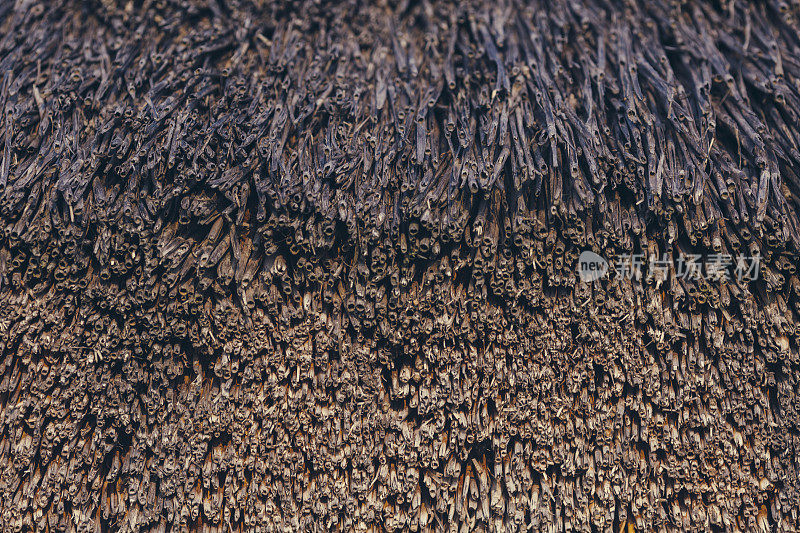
(312, 267)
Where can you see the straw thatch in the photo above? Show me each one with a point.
(284, 266)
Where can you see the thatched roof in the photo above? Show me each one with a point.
(315, 266)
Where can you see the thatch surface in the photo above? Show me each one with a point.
(312, 266)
